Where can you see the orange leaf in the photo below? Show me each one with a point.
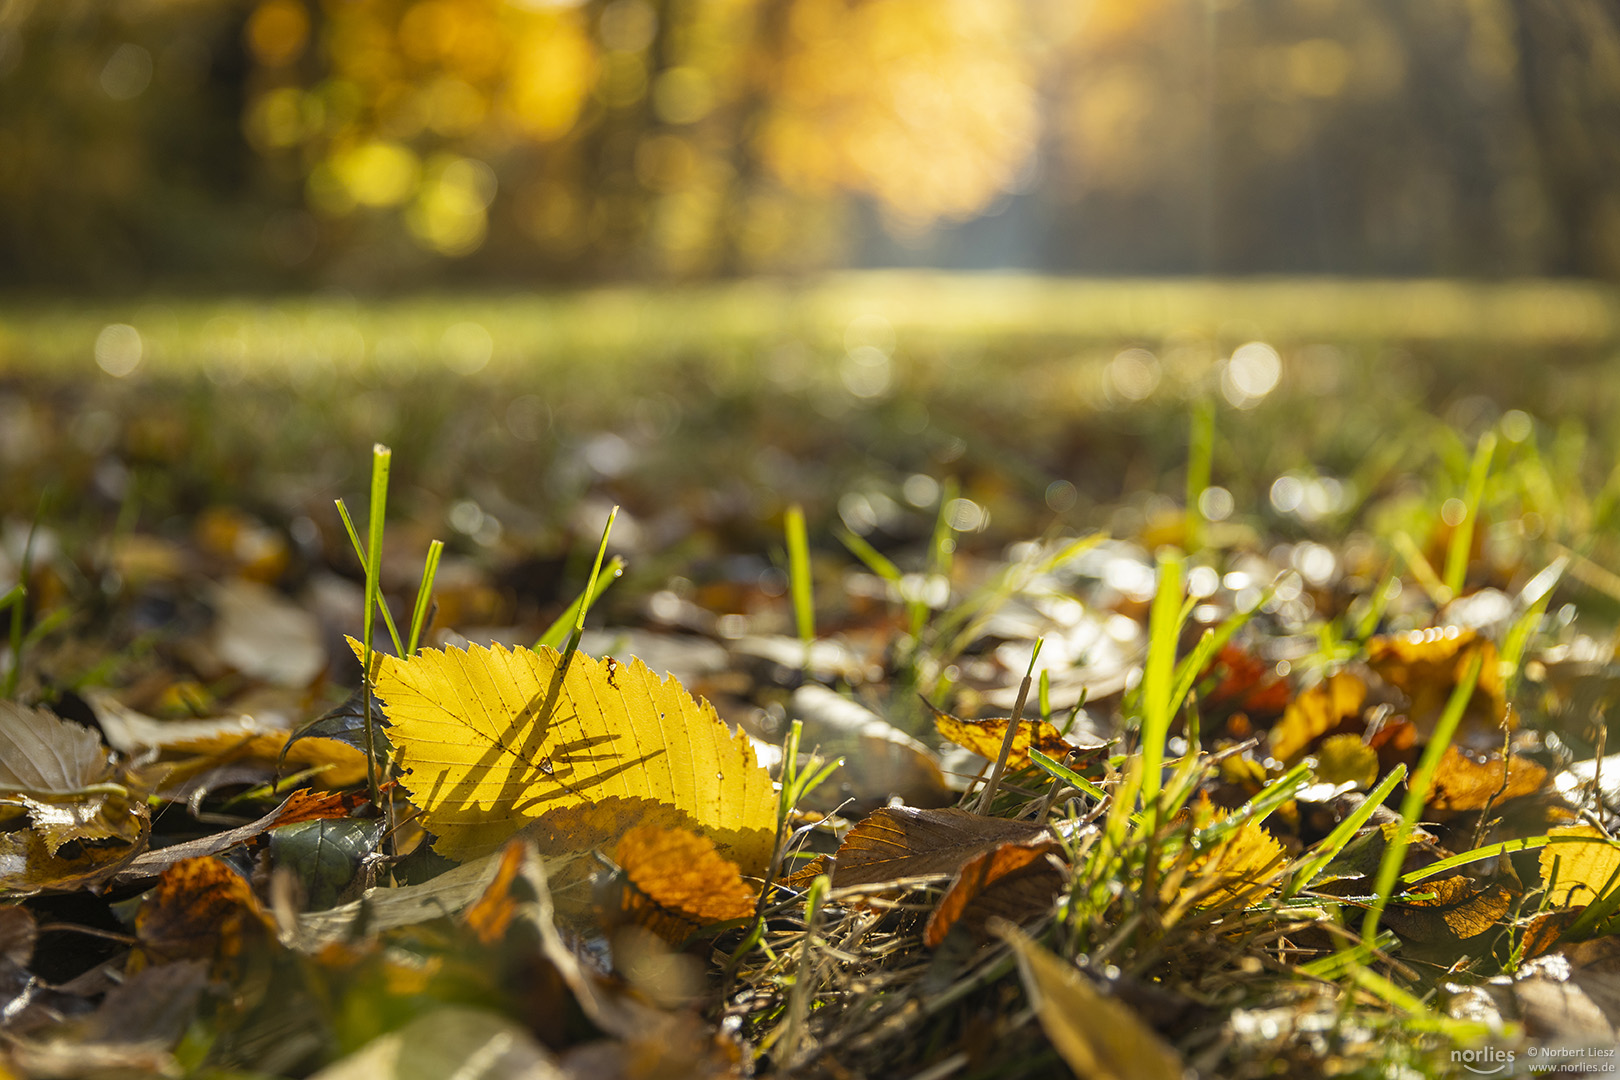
(681, 871)
(1461, 783)
(1316, 712)
(201, 909)
(1013, 882)
(1427, 665)
(984, 737)
(1460, 908)
(490, 915)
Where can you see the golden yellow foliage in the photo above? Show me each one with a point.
(1316, 712)
(1238, 870)
(493, 740)
(1580, 873)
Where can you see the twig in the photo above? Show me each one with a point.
(1011, 734)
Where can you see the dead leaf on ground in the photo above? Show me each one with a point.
(1322, 709)
(1580, 873)
(446, 1042)
(301, 805)
(385, 908)
(1427, 665)
(1099, 1037)
(1014, 882)
(1463, 782)
(1347, 759)
(984, 737)
(900, 842)
(265, 636)
(492, 739)
(1238, 870)
(680, 873)
(201, 909)
(1459, 908)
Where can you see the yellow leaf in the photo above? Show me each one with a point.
(493, 740)
(1239, 869)
(1344, 759)
(1584, 871)
(1099, 1037)
(1316, 712)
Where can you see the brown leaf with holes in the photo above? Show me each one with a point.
(678, 872)
(900, 842)
(1328, 707)
(984, 737)
(1463, 782)
(201, 909)
(1015, 882)
(1427, 665)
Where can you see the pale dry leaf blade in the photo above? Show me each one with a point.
(40, 752)
(1099, 1037)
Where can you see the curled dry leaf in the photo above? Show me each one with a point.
(682, 872)
(492, 740)
(984, 737)
(1316, 712)
(901, 842)
(1099, 1037)
(1459, 908)
(1014, 882)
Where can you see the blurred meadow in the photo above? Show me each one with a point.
(1321, 292)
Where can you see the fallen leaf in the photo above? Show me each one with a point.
(1316, 712)
(492, 739)
(42, 754)
(1014, 882)
(489, 916)
(1238, 870)
(264, 635)
(1346, 759)
(452, 1040)
(201, 909)
(1460, 908)
(389, 907)
(1427, 665)
(1462, 782)
(1099, 1037)
(681, 873)
(340, 765)
(325, 854)
(301, 805)
(131, 1032)
(984, 737)
(900, 842)
(1580, 874)
(1247, 683)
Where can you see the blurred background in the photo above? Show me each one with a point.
(374, 145)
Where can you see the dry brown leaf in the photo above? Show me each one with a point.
(984, 737)
(201, 909)
(1461, 908)
(1098, 1036)
(489, 916)
(1462, 782)
(900, 842)
(1014, 882)
(1316, 712)
(43, 755)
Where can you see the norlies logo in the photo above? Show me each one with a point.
(1486, 1061)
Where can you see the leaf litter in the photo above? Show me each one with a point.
(574, 867)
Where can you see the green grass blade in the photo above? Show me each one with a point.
(424, 595)
(1257, 809)
(557, 633)
(365, 560)
(1059, 771)
(1158, 677)
(1462, 537)
(590, 589)
(1334, 842)
(875, 560)
(798, 544)
(381, 460)
(1412, 805)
